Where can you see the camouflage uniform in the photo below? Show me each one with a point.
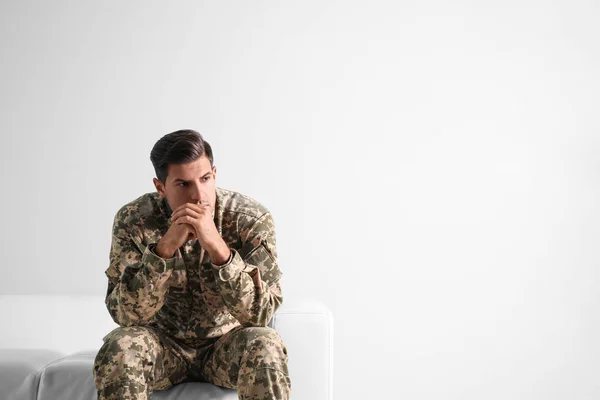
(186, 319)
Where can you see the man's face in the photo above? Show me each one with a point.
(189, 183)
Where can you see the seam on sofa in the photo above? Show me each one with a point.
(43, 370)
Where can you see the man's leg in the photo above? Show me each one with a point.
(133, 362)
(251, 360)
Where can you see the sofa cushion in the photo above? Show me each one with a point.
(17, 364)
(71, 378)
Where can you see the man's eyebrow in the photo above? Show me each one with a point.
(183, 180)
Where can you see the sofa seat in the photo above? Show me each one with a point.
(16, 364)
(47, 354)
(71, 378)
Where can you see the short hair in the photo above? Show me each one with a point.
(179, 147)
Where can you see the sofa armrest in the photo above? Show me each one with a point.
(17, 364)
(307, 331)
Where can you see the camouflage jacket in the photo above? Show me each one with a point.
(188, 297)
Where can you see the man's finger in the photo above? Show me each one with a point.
(192, 212)
(199, 205)
(192, 209)
(186, 205)
(202, 206)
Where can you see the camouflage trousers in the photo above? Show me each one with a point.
(135, 361)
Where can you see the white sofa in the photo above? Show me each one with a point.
(48, 345)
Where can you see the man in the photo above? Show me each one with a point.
(193, 282)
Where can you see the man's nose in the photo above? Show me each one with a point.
(197, 195)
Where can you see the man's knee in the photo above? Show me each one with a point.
(264, 347)
(128, 353)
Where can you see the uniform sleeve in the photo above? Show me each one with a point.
(249, 282)
(138, 279)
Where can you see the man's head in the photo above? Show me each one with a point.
(183, 163)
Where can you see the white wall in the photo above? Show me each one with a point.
(433, 169)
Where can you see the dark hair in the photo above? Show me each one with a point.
(179, 147)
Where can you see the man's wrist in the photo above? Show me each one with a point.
(164, 251)
(219, 254)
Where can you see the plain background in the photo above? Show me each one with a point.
(432, 168)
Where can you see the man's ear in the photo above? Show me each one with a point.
(214, 171)
(160, 188)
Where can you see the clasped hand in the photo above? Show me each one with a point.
(200, 217)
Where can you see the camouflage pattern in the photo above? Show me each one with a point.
(137, 360)
(178, 310)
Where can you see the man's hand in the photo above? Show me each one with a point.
(200, 217)
(175, 237)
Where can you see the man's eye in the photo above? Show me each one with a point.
(182, 184)
(205, 178)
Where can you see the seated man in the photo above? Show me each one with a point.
(193, 281)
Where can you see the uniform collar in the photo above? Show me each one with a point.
(219, 208)
(165, 207)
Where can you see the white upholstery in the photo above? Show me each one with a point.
(38, 330)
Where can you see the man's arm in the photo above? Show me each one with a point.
(138, 279)
(249, 280)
